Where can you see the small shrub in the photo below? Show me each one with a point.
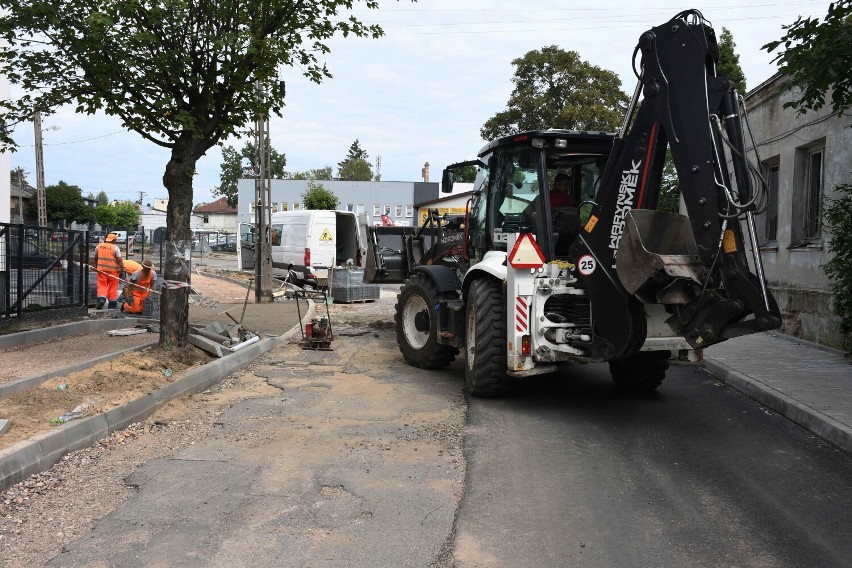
(838, 221)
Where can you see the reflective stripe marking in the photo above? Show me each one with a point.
(521, 314)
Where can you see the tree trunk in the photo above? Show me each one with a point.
(174, 307)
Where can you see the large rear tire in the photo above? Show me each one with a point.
(642, 372)
(485, 340)
(417, 324)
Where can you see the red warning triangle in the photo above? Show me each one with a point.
(526, 253)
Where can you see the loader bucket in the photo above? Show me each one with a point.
(657, 258)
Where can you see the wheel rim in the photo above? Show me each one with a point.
(414, 306)
(470, 338)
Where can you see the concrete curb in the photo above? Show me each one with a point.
(14, 387)
(48, 333)
(814, 421)
(44, 450)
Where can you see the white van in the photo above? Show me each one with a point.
(310, 241)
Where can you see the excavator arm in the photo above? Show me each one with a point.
(697, 265)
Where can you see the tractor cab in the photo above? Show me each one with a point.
(539, 182)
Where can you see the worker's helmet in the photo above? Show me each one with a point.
(111, 238)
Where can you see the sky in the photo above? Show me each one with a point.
(419, 94)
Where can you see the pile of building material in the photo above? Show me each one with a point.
(221, 340)
(348, 286)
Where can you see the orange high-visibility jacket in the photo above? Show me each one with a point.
(106, 257)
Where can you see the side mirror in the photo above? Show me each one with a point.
(447, 181)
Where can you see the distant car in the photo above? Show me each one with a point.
(33, 256)
(96, 236)
(139, 237)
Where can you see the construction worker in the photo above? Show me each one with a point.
(141, 282)
(109, 266)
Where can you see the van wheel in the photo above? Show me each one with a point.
(417, 324)
(642, 372)
(485, 340)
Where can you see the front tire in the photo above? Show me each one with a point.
(485, 340)
(417, 324)
(642, 372)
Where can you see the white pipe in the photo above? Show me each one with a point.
(245, 343)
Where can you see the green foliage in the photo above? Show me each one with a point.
(466, 174)
(63, 202)
(18, 174)
(184, 75)
(318, 197)
(106, 215)
(816, 58)
(838, 222)
(232, 168)
(556, 89)
(669, 198)
(102, 198)
(729, 61)
(355, 170)
(355, 166)
(126, 214)
(324, 173)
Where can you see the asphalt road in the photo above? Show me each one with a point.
(569, 473)
(352, 458)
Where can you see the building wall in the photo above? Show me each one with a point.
(370, 197)
(225, 222)
(788, 146)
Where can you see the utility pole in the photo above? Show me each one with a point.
(263, 246)
(40, 199)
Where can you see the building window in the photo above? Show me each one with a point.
(297, 206)
(409, 211)
(770, 227)
(813, 194)
(206, 218)
(360, 208)
(397, 211)
(377, 210)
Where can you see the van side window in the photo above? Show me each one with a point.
(275, 235)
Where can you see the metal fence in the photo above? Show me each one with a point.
(43, 271)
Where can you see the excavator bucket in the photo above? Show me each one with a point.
(657, 258)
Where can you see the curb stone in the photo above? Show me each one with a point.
(812, 420)
(41, 452)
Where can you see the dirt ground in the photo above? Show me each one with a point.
(103, 386)
(97, 389)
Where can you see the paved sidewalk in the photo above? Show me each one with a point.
(805, 382)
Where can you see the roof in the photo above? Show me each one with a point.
(465, 196)
(25, 193)
(218, 206)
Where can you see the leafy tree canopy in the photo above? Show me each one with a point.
(18, 174)
(318, 197)
(183, 75)
(232, 168)
(466, 174)
(64, 202)
(556, 89)
(816, 58)
(729, 61)
(106, 215)
(356, 170)
(102, 199)
(126, 214)
(355, 166)
(324, 173)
